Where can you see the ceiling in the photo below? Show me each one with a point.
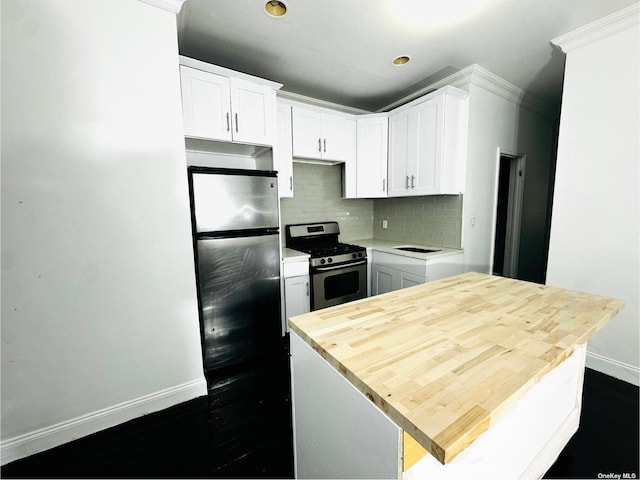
(341, 51)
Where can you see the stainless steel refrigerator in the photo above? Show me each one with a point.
(245, 350)
(237, 249)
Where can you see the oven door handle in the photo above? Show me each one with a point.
(342, 265)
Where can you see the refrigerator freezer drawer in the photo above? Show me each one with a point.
(234, 201)
(239, 286)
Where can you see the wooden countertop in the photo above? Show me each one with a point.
(445, 359)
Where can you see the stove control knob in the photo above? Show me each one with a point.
(329, 260)
(322, 261)
(354, 256)
(360, 254)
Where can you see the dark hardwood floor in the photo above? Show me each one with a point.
(194, 440)
(607, 440)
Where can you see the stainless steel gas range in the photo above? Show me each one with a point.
(338, 271)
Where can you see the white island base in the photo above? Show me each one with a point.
(340, 433)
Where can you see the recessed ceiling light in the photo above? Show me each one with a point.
(275, 8)
(401, 60)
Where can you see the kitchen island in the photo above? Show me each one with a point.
(471, 375)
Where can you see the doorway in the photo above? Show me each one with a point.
(508, 214)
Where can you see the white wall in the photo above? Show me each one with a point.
(596, 212)
(499, 124)
(492, 126)
(99, 311)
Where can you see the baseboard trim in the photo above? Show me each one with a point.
(45, 438)
(614, 368)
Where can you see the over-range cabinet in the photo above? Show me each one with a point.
(245, 350)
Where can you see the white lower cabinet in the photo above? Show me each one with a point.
(382, 280)
(296, 295)
(409, 279)
(296, 289)
(391, 272)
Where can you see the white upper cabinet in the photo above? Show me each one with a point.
(320, 134)
(428, 145)
(252, 107)
(206, 104)
(282, 151)
(226, 108)
(371, 155)
(400, 149)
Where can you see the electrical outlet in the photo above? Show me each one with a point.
(384, 224)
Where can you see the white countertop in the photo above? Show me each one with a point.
(388, 246)
(291, 255)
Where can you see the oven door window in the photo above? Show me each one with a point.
(341, 285)
(332, 286)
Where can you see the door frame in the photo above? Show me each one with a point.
(514, 211)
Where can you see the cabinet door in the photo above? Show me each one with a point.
(296, 296)
(338, 137)
(371, 156)
(425, 169)
(428, 146)
(321, 135)
(382, 279)
(307, 133)
(205, 104)
(400, 146)
(252, 107)
(407, 279)
(282, 152)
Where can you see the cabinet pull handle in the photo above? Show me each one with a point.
(319, 144)
(291, 182)
(236, 123)
(413, 181)
(407, 182)
(228, 127)
(307, 289)
(384, 181)
(325, 145)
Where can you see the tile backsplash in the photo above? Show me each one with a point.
(432, 220)
(317, 191)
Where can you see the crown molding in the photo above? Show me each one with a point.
(614, 23)
(172, 6)
(481, 77)
(292, 97)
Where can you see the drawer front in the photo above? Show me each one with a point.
(295, 269)
(415, 266)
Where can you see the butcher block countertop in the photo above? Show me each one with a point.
(445, 359)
